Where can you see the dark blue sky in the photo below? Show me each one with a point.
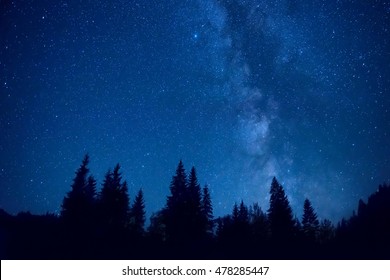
(243, 90)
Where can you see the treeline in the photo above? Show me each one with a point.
(105, 224)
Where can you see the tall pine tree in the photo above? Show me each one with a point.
(78, 205)
(207, 211)
(175, 213)
(178, 188)
(243, 213)
(235, 212)
(193, 207)
(114, 200)
(259, 223)
(280, 215)
(138, 213)
(310, 224)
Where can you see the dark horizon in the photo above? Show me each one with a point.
(107, 224)
(100, 185)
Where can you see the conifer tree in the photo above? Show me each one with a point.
(114, 199)
(242, 224)
(178, 186)
(90, 190)
(258, 220)
(175, 212)
(138, 213)
(193, 207)
(310, 224)
(207, 210)
(78, 204)
(194, 190)
(235, 213)
(243, 214)
(280, 214)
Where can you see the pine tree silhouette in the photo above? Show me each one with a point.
(259, 222)
(280, 214)
(193, 207)
(78, 213)
(178, 187)
(90, 190)
(207, 211)
(310, 224)
(235, 213)
(138, 214)
(243, 214)
(242, 224)
(175, 212)
(78, 204)
(114, 200)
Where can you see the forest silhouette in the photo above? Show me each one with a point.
(106, 224)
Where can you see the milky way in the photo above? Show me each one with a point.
(242, 90)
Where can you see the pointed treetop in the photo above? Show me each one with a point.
(90, 188)
(180, 168)
(207, 207)
(116, 172)
(85, 160)
(116, 168)
(280, 213)
(243, 212)
(179, 180)
(235, 212)
(80, 180)
(193, 174)
(138, 212)
(193, 180)
(309, 218)
(117, 176)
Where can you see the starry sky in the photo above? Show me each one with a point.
(244, 90)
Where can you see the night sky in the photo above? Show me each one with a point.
(242, 90)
